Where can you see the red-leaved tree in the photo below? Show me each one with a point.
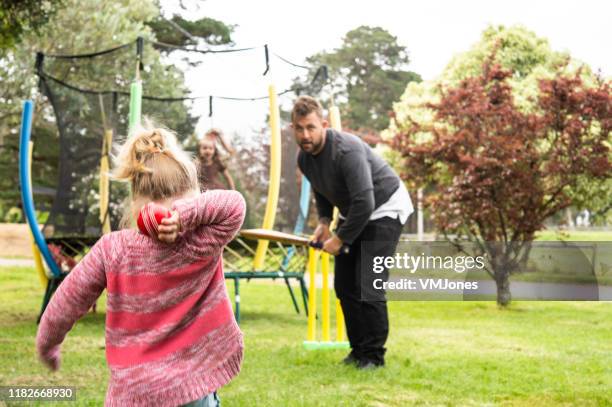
(497, 172)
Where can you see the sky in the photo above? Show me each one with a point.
(433, 31)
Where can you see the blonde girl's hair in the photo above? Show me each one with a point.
(155, 165)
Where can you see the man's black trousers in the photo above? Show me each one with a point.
(365, 313)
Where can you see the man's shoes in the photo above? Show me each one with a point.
(362, 364)
(351, 359)
(369, 365)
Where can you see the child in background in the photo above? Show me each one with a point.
(215, 135)
(209, 163)
(171, 336)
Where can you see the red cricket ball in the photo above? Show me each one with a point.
(150, 217)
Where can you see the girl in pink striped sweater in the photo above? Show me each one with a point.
(171, 336)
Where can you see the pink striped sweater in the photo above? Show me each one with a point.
(171, 336)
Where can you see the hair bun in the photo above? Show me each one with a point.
(148, 143)
(156, 166)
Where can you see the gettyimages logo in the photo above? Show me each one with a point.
(471, 271)
(411, 264)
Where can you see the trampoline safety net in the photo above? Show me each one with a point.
(89, 96)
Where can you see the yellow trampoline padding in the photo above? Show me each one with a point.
(275, 176)
(104, 181)
(40, 269)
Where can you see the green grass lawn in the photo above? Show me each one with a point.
(440, 353)
(576, 235)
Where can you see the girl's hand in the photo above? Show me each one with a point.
(169, 228)
(52, 361)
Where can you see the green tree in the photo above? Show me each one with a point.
(82, 27)
(498, 172)
(530, 59)
(179, 31)
(367, 74)
(20, 16)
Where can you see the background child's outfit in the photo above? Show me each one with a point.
(171, 336)
(209, 175)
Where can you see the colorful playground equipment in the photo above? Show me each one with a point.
(25, 179)
(77, 220)
(288, 268)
